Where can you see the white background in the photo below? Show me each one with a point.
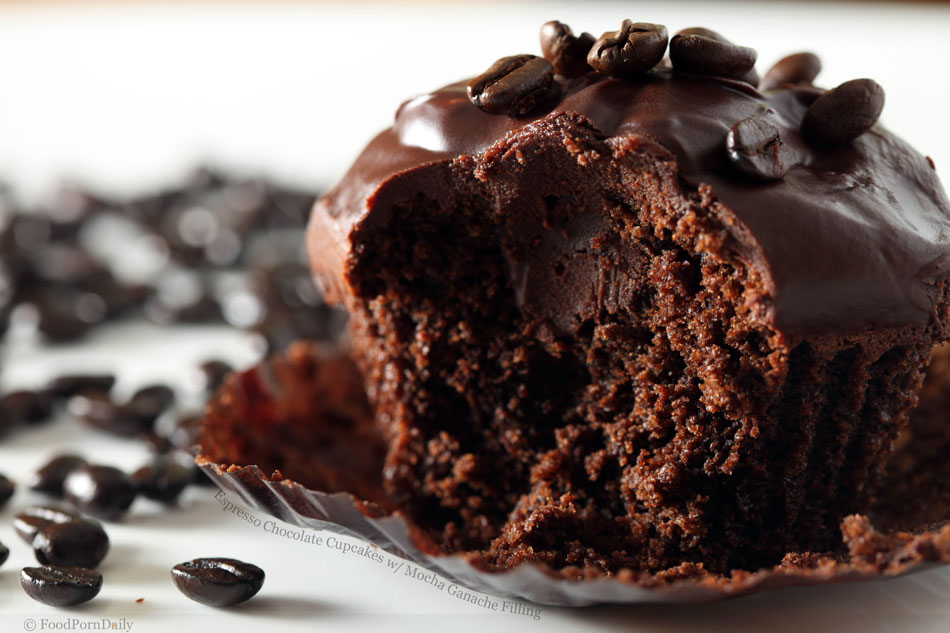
(131, 96)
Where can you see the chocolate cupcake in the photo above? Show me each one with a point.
(639, 315)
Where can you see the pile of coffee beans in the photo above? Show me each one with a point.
(190, 234)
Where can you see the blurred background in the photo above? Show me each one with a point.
(125, 95)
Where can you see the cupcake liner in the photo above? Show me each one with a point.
(904, 532)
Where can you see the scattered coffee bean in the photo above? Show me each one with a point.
(80, 543)
(211, 374)
(218, 582)
(102, 491)
(513, 86)
(61, 586)
(30, 521)
(151, 401)
(70, 385)
(7, 489)
(755, 149)
(24, 406)
(706, 55)
(800, 68)
(4, 553)
(49, 478)
(164, 479)
(844, 113)
(100, 412)
(635, 48)
(566, 52)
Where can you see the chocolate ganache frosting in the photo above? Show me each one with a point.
(851, 238)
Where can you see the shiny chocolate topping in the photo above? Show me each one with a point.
(854, 237)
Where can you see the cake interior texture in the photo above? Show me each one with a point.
(570, 359)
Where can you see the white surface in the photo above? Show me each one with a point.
(130, 96)
(318, 587)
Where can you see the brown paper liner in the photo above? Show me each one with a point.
(294, 438)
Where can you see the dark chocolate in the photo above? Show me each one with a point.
(848, 239)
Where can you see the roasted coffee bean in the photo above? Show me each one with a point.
(566, 52)
(102, 491)
(635, 48)
(7, 488)
(49, 478)
(844, 113)
(151, 401)
(513, 85)
(24, 406)
(99, 411)
(800, 68)
(61, 586)
(705, 55)
(70, 385)
(211, 374)
(81, 543)
(164, 479)
(30, 521)
(218, 582)
(755, 149)
(4, 553)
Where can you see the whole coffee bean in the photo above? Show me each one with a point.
(102, 491)
(635, 48)
(61, 586)
(151, 401)
(7, 489)
(843, 114)
(81, 543)
(25, 406)
(100, 412)
(751, 77)
(755, 149)
(49, 478)
(566, 52)
(66, 386)
(799, 68)
(30, 521)
(218, 582)
(513, 85)
(164, 479)
(4, 553)
(705, 55)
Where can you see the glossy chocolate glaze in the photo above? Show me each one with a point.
(853, 238)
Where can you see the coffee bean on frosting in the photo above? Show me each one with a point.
(512, 85)
(704, 54)
(635, 48)
(755, 149)
(844, 113)
(799, 68)
(566, 52)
